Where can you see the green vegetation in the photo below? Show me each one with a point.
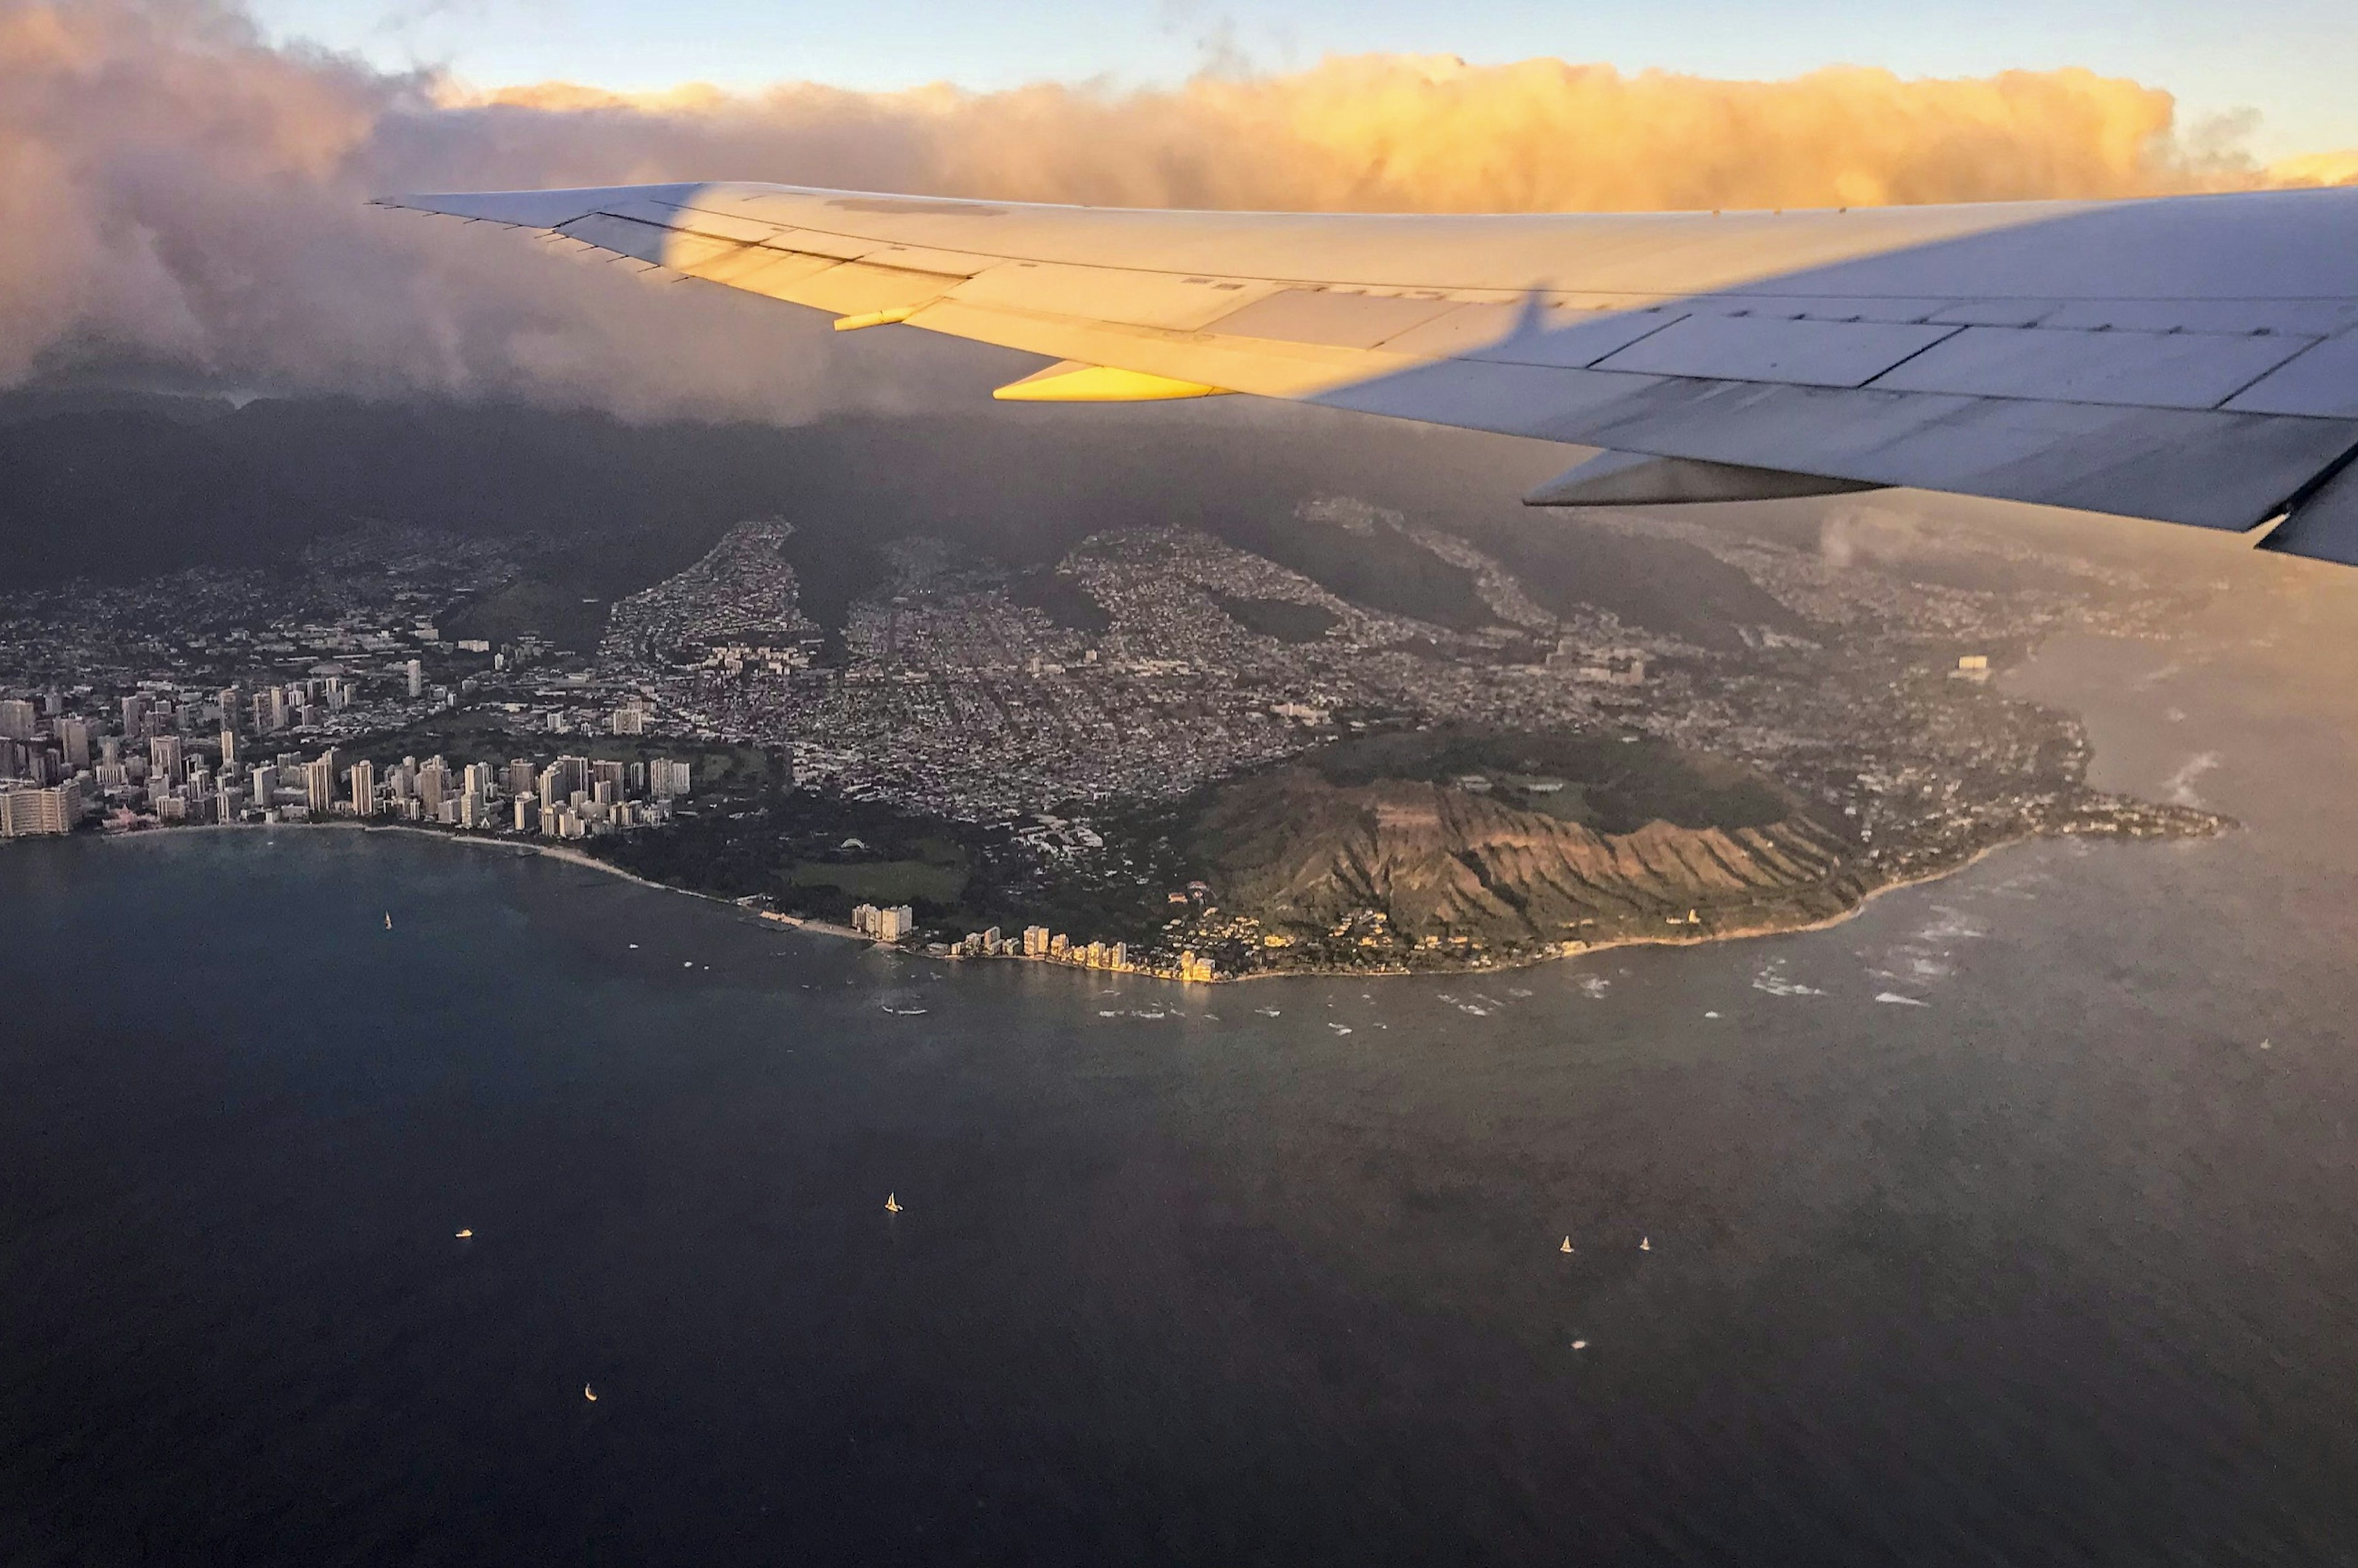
(1283, 619)
(1612, 783)
(911, 883)
(559, 612)
(1060, 598)
(1381, 568)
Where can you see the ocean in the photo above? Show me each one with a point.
(2011, 1221)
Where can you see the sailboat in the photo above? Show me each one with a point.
(891, 1206)
(388, 920)
(1567, 1245)
(1645, 1244)
(465, 1235)
(589, 1393)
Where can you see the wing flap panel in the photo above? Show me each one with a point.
(1334, 317)
(1586, 338)
(723, 225)
(2323, 383)
(1750, 348)
(2207, 469)
(2151, 370)
(760, 270)
(1263, 367)
(861, 288)
(1180, 304)
(623, 236)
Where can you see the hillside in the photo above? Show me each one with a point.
(1305, 856)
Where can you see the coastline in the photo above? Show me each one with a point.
(829, 929)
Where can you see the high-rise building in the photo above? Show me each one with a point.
(24, 813)
(265, 785)
(479, 781)
(320, 784)
(228, 749)
(526, 814)
(134, 715)
(164, 760)
(433, 784)
(667, 778)
(521, 777)
(75, 735)
(17, 718)
(364, 788)
(628, 721)
(417, 673)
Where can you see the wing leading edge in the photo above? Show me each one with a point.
(2192, 360)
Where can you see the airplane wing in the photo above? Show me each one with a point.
(2192, 360)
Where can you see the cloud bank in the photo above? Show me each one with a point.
(183, 197)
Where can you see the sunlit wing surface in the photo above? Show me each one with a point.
(2190, 358)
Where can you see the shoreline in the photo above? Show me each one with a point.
(839, 932)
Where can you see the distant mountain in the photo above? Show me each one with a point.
(138, 486)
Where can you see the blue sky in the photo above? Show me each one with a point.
(2294, 62)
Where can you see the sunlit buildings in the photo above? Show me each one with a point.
(887, 924)
(36, 812)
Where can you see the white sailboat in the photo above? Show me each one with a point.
(388, 920)
(589, 1393)
(1645, 1244)
(1567, 1245)
(890, 1204)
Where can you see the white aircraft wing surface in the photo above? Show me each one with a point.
(2188, 359)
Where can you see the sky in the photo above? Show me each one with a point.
(2290, 62)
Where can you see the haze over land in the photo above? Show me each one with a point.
(184, 201)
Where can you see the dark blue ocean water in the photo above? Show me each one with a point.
(2054, 1262)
